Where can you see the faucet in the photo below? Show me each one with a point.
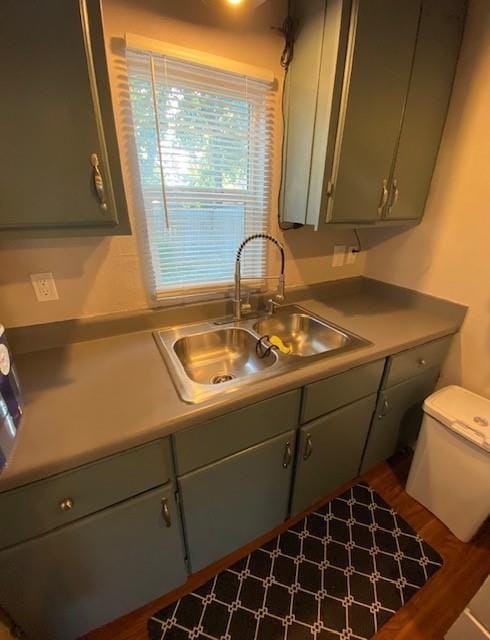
(238, 307)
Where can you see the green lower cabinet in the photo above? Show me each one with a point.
(398, 417)
(65, 583)
(228, 503)
(330, 451)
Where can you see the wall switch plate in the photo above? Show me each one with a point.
(44, 287)
(351, 254)
(338, 255)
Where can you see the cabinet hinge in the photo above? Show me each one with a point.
(330, 187)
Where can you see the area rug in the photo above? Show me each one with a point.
(339, 574)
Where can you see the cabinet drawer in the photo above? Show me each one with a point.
(330, 394)
(41, 506)
(233, 432)
(407, 364)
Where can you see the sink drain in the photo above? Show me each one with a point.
(222, 377)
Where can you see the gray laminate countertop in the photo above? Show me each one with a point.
(91, 399)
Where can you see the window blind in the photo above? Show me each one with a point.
(203, 139)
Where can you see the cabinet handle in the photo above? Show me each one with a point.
(308, 447)
(67, 504)
(384, 409)
(166, 513)
(395, 194)
(98, 182)
(384, 196)
(286, 459)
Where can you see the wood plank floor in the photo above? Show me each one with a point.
(428, 615)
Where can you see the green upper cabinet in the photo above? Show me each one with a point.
(61, 173)
(366, 100)
(434, 67)
(372, 107)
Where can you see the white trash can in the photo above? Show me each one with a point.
(450, 472)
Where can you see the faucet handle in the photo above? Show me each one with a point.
(271, 305)
(246, 306)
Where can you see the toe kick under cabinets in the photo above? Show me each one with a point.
(84, 547)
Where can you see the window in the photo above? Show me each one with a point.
(203, 138)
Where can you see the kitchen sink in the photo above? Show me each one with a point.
(212, 358)
(302, 333)
(219, 356)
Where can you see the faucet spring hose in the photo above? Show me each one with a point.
(263, 236)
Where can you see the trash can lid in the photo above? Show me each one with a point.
(462, 411)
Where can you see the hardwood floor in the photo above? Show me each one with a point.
(428, 615)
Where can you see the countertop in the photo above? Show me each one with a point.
(91, 399)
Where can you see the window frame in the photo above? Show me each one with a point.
(210, 290)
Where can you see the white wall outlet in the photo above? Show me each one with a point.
(338, 255)
(44, 287)
(351, 254)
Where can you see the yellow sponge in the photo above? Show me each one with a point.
(276, 340)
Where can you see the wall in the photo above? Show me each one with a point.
(96, 276)
(448, 254)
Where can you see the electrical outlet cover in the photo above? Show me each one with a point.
(338, 255)
(44, 287)
(351, 255)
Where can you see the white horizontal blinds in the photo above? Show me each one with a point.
(204, 160)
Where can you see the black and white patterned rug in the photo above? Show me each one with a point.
(339, 574)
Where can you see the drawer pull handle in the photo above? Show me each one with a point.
(422, 362)
(66, 505)
(308, 447)
(395, 196)
(98, 182)
(384, 409)
(166, 513)
(384, 196)
(287, 455)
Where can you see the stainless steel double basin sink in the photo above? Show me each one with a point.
(214, 358)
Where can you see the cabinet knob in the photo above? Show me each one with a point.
(422, 362)
(166, 513)
(67, 504)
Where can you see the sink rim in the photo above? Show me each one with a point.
(195, 392)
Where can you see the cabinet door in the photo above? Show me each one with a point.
(438, 44)
(376, 78)
(330, 451)
(62, 584)
(397, 418)
(229, 503)
(51, 118)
